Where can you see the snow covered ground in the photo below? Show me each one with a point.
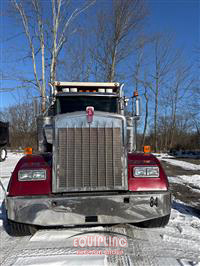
(176, 244)
(187, 179)
(162, 155)
(183, 164)
(179, 154)
(7, 167)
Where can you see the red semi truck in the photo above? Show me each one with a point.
(87, 171)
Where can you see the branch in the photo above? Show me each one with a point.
(74, 14)
(24, 18)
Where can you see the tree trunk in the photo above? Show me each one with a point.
(156, 117)
(113, 66)
(146, 118)
(43, 92)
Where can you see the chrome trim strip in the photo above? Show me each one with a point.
(74, 155)
(113, 153)
(90, 155)
(105, 149)
(67, 158)
(98, 155)
(82, 165)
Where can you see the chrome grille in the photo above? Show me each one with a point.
(89, 158)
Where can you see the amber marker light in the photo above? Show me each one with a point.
(147, 149)
(136, 93)
(28, 150)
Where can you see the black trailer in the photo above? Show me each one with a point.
(4, 140)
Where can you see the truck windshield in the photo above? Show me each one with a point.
(79, 103)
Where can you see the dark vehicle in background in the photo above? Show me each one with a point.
(4, 140)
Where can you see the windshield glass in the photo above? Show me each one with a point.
(79, 103)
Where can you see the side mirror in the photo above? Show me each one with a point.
(136, 107)
(126, 100)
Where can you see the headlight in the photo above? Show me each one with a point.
(139, 171)
(146, 171)
(31, 175)
(153, 171)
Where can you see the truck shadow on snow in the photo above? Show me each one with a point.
(2, 211)
(3, 216)
(185, 209)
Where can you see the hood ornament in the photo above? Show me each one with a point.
(90, 113)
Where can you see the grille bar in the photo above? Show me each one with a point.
(113, 153)
(89, 158)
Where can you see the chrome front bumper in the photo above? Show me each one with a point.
(78, 210)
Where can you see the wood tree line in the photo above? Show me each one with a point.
(111, 46)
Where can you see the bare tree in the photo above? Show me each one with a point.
(77, 64)
(22, 125)
(164, 61)
(60, 29)
(56, 35)
(146, 111)
(25, 20)
(177, 91)
(138, 81)
(195, 97)
(114, 35)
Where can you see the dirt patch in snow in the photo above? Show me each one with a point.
(185, 192)
(174, 170)
(187, 195)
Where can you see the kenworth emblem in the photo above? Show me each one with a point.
(90, 113)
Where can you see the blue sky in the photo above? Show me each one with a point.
(182, 18)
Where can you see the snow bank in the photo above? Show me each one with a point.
(162, 155)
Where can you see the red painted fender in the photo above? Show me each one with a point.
(146, 184)
(28, 188)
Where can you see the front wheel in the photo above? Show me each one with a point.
(3, 154)
(19, 229)
(158, 222)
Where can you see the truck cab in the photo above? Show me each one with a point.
(87, 171)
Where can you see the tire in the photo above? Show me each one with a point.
(19, 229)
(158, 222)
(3, 154)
